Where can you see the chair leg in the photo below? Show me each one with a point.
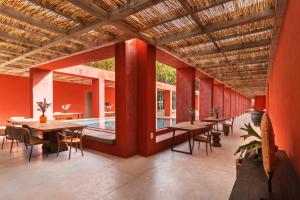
(70, 150)
(76, 147)
(210, 147)
(199, 146)
(206, 148)
(11, 146)
(17, 143)
(3, 142)
(58, 148)
(30, 152)
(81, 147)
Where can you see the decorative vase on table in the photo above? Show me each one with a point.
(43, 119)
(192, 115)
(42, 106)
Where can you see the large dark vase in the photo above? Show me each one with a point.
(256, 118)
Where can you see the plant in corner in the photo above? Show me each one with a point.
(253, 148)
(42, 106)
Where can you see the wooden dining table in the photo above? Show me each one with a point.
(191, 130)
(49, 131)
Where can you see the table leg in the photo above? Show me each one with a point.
(216, 139)
(51, 147)
(179, 151)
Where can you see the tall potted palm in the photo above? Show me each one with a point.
(43, 106)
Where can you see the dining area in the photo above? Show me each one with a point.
(53, 136)
(207, 131)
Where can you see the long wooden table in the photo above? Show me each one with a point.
(49, 131)
(190, 129)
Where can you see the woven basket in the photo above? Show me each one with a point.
(268, 145)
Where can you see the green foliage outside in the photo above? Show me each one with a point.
(107, 64)
(164, 73)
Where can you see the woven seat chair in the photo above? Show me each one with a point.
(23, 135)
(205, 137)
(230, 124)
(2, 134)
(70, 137)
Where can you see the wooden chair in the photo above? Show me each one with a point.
(2, 134)
(230, 124)
(205, 137)
(31, 140)
(13, 134)
(70, 137)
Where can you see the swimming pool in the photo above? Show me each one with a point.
(109, 123)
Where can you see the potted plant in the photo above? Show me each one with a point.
(256, 117)
(216, 112)
(192, 114)
(252, 149)
(42, 106)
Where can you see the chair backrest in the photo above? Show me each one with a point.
(16, 133)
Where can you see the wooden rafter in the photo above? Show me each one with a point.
(265, 14)
(243, 46)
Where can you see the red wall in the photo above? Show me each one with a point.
(69, 93)
(260, 103)
(284, 86)
(227, 103)
(15, 96)
(232, 100)
(206, 96)
(218, 97)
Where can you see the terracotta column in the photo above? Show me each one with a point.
(41, 86)
(185, 93)
(98, 98)
(218, 98)
(168, 102)
(135, 97)
(206, 97)
(233, 99)
(227, 102)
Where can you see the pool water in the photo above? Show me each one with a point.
(109, 123)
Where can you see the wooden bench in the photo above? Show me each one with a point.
(252, 183)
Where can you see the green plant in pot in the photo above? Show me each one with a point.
(253, 148)
(42, 106)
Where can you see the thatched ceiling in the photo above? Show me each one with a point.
(231, 40)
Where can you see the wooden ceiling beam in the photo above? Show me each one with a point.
(193, 11)
(57, 12)
(253, 60)
(6, 36)
(240, 73)
(4, 10)
(265, 14)
(236, 47)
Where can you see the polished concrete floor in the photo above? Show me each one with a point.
(167, 175)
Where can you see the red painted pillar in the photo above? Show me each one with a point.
(218, 98)
(206, 96)
(233, 99)
(146, 60)
(98, 98)
(197, 105)
(41, 86)
(168, 102)
(135, 97)
(237, 103)
(227, 102)
(185, 92)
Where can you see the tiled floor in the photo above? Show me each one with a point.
(163, 176)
